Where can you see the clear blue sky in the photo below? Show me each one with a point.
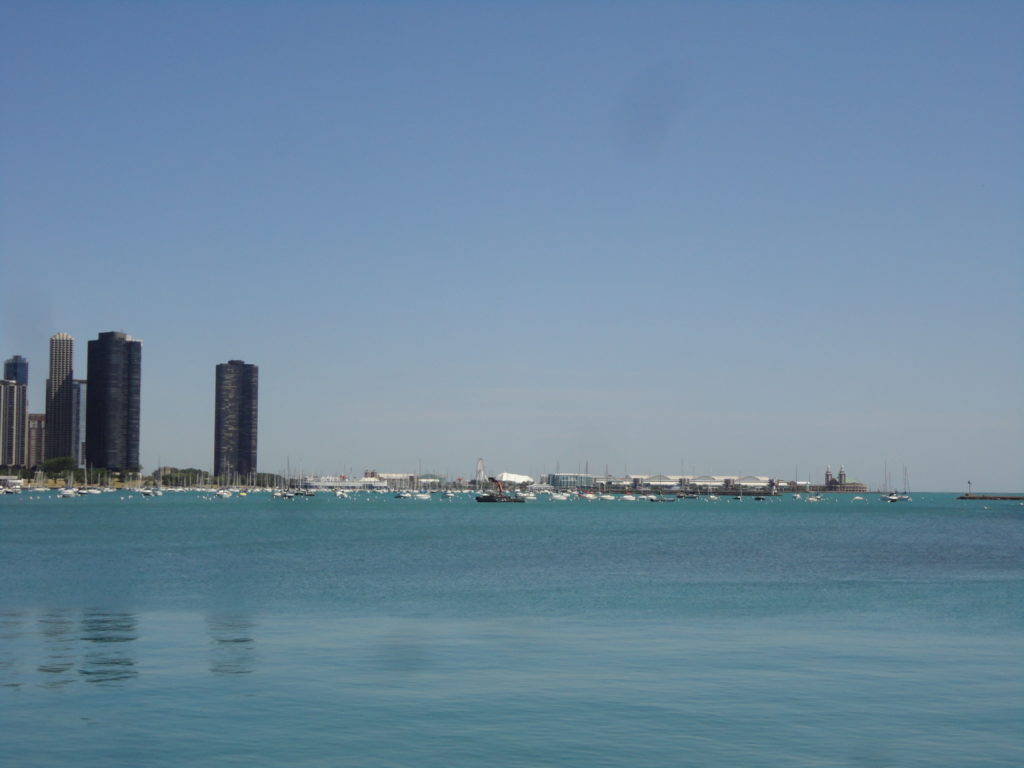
(725, 237)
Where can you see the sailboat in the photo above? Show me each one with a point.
(905, 496)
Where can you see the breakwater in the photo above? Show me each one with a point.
(990, 497)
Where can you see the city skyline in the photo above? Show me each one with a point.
(236, 390)
(726, 238)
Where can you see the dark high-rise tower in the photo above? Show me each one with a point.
(16, 369)
(60, 415)
(234, 428)
(13, 424)
(112, 405)
(79, 390)
(14, 413)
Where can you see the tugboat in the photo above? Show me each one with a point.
(500, 496)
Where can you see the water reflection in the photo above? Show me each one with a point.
(54, 649)
(108, 637)
(10, 633)
(58, 633)
(232, 647)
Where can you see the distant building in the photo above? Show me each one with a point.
(14, 432)
(16, 369)
(392, 480)
(13, 423)
(754, 483)
(60, 417)
(113, 402)
(569, 481)
(79, 388)
(840, 484)
(708, 483)
(236, 407)
(35, 443)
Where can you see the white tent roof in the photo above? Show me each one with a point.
(508, 477)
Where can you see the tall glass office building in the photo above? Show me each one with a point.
(14, 413)
(16, 369)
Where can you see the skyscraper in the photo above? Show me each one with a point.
(79, 389)
(113, 401)
(36, 442)
(235, 419)
(13, 424)
(16, 369)
(59, 398)
(14, 413)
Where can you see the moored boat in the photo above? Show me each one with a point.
(500, 497)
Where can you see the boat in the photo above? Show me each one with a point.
(500, 497)
(905, 496)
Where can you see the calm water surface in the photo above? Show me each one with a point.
(184, 630)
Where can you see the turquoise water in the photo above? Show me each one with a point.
(374, 631)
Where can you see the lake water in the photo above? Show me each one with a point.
(382, 632)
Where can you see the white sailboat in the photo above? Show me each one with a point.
(905, 496)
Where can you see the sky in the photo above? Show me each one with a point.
(641, 237)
